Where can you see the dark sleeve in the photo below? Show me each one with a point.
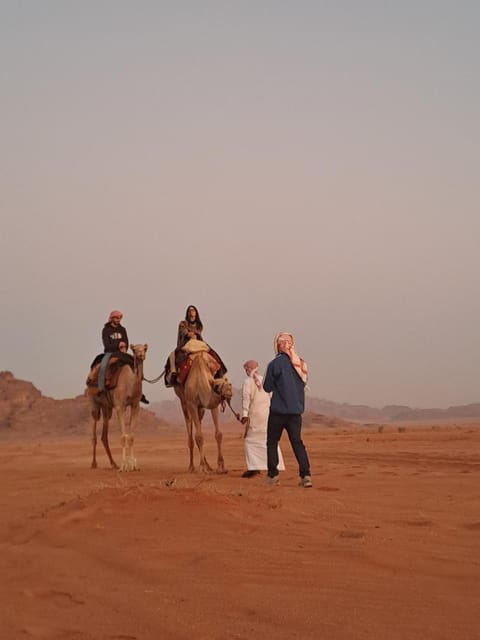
(111, 345)
(108, 344)
(268, 380)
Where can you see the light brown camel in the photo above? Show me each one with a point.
(199, 392)
(127, 393)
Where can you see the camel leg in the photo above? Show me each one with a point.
(95, 416)
(204, 466)
(128, 461)
(131, 437)
(218, 438)
(123, 438)
(188, 425)
(106, 446)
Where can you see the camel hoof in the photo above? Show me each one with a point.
(221, 471)
(129, 465)
(93, 465)
(206, 470)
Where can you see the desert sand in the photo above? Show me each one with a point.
(386, 545)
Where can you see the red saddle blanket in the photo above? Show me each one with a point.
(186, 365)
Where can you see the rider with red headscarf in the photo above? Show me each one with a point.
(115, 343)
(114, 335)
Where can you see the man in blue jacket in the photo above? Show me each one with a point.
(286, 377)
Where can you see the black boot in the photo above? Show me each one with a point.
(144, 400)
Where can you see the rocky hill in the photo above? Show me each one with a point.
(24, 410)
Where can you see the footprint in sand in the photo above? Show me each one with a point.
(50, 633)
(353, 535)
(59, 598)
(419, 523)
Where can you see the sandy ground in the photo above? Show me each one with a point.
(386, 545)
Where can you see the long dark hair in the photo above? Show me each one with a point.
(198, 322)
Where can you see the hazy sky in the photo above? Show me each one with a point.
(309, 166)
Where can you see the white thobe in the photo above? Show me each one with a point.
(256, 406)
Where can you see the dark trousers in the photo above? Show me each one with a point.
(292, 423)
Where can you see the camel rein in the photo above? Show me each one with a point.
(237, 415)
(155, 379)
(223, 399)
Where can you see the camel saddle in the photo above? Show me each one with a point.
(195, 346)
(111, 376)
(185, 366)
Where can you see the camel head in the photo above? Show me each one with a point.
(139, 351)
(224, 388)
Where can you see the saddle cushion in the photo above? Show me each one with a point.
(111, 376)
(195, 346)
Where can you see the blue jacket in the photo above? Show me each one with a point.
(288, 389)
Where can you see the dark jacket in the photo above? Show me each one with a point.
(288, 389)
(112, 336)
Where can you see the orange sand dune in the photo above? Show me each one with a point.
(386, 545)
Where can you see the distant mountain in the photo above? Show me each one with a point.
(390, 413)
(23, 409)
(170, 411)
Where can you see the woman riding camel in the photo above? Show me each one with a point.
(190, 328)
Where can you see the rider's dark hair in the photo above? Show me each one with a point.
(198, 322)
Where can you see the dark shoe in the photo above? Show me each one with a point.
(250, 474)
(170, 380)
(144, 400)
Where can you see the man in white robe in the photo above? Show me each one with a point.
(255, 410)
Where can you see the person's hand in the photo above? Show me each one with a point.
(246, 422)
(122, 347)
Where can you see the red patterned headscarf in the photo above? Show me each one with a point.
(284, 343)
(115, 314)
